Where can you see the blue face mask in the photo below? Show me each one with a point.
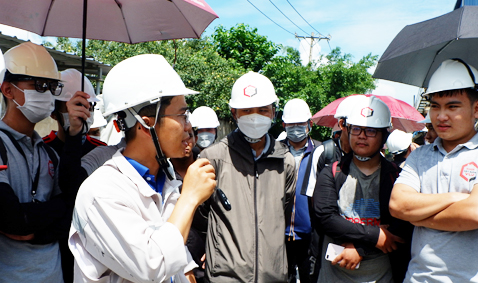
(296, 133)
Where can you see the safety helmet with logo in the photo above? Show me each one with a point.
(204, 118)
(398, 142)
(137, 82)
(29, 59)
(296, 111)
(371, 112)
(252, 90)
(344, 108)
(71, 79)
(452, 74)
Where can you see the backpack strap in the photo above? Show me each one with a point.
(329, 150)
(335, 169)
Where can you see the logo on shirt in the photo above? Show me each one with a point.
(250, 91)
(51, 168)
(367, 112)
(468, 171)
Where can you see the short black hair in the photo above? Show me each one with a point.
(470, 92)
(149, 111)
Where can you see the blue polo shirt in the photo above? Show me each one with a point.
(158, 185)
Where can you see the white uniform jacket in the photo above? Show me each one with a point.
(119, 231)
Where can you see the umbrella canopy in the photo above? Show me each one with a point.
(129, 21)
(417, 51)
(404, 116)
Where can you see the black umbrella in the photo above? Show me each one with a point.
(418, 49)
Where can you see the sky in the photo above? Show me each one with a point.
(358, 27)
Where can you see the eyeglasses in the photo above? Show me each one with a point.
(42, 85)
(183, 117)
(369, 132)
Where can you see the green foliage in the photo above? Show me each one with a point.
(211, 66)
(243, 44)
(337, 78)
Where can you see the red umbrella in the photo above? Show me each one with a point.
(404, 116)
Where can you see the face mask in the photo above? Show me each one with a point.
(205, 139)
(296, 133)
(66, 122)
(254, 126)
(37, 105)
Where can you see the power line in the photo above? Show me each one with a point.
(269, 18)
(304, 19)
(286, 16)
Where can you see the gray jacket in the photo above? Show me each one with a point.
(246, 244)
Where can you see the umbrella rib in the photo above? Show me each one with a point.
(46, 18)
(434, 58)
(122, 14)
(197, 35)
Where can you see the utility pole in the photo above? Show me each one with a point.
(312, 42)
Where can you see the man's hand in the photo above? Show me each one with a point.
(199, 182)
(387, 242)
(348, 258)
(78, 111)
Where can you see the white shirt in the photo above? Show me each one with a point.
(119, 231)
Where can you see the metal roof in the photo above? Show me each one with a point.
(94, 70)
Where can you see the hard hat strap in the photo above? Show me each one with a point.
(160, 157)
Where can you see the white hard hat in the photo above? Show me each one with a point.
(2, 67)
(139, 81)
(252, 90)
(370, 112)
(204, 118)
(452, 74)
(296, 111)
(32, 60)
(399, 141)
(343, 110)
(71, 79)
(426, 120)
(98, 119)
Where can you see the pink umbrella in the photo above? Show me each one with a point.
(129, 21)
(404, 116)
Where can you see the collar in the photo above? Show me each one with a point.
(470, 144)
(266, 147)
(156, 185)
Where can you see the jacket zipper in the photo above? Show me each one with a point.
(256, 228)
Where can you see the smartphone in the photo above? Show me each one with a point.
(333, 251)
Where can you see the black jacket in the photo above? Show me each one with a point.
(364, 237)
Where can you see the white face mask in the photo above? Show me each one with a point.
(66, 122)
(254, 126)
(37, 105)
(205, 139)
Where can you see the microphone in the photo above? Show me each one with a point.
(223, 199)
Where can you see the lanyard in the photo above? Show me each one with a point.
(20, 150)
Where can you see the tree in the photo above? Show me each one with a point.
(339, 77)
(243, 44)
(198, 64)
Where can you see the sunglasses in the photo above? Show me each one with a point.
(42, 85)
